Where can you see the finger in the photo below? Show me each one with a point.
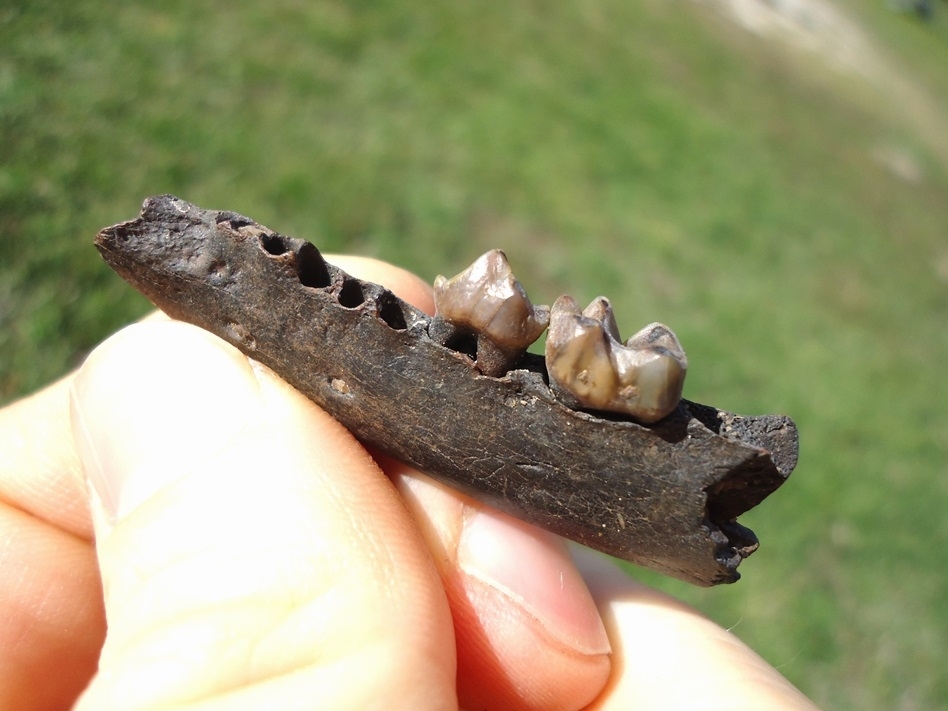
(39, 468)
(51, 618)
(666, 656)
(529, 635)
(251, 551)
(52, 624)
(40, 471)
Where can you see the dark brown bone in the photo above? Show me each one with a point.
(665, 496)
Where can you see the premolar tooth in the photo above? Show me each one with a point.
(589, 367)
(488, 301)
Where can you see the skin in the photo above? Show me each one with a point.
(179, 529)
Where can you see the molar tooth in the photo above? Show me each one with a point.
(488, 301)
(657, 363)
(577, 357)
(651, 380)
(588, 365)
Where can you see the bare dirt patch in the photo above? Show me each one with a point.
(815, 26)
(824, 30)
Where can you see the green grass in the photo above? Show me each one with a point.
(645, 150)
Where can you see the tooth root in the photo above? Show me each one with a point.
(487, 300)
(589, 367)
(493, 360)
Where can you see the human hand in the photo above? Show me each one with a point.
(254, 555)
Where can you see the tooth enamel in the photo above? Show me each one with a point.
(589, 366)
(657, 335)
(487, 300)
(577, 356)
(601, 309)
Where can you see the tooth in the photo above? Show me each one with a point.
(487, 300)
(651, 367)
(589, 367)
(577, 357)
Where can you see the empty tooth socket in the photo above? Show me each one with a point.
(124, 232)
(311, 267)
(351, 295)
(313, 271)
(390, 311)
(453, 338)
(275, 244)
(234, 220)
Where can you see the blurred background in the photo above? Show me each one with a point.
(768, 177)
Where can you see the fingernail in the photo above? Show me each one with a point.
(534, 570)
(149, 405)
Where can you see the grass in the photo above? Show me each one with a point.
(645, 150)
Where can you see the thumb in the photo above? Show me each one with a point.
(252, 553)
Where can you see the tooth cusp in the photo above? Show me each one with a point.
(487, 300)
(589, 367)
(600, 309)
